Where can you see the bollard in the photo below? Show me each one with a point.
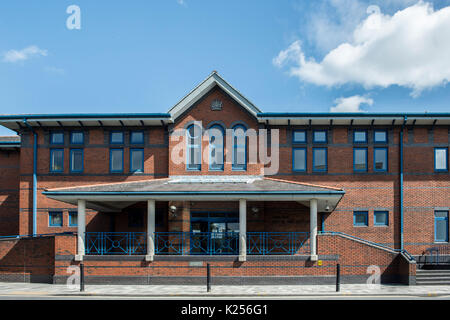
(338, 277)
(208, 278)
(81, 277)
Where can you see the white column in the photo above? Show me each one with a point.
(313, 228)
(150, 230)
(242, 229)
(81, 217)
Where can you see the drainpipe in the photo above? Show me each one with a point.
(401, 182)
(34, 177)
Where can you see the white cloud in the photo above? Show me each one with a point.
(350, 104)
(24, 54)
(408, 49)
(181, 2)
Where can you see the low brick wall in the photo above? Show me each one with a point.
(47, 259)
(27, 259)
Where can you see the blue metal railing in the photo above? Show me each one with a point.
(268, 243)
(197, 243)
(111, 243)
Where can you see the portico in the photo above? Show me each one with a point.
(227, 232)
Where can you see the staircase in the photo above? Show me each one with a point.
(435, 276)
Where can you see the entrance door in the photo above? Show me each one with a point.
(214, 233)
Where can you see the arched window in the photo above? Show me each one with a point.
(239, 148)
(216, 136)
(194, 147)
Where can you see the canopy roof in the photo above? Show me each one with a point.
(116, 196)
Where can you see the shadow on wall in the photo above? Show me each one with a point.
(27, 260)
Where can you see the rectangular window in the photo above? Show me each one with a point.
(299, 159)
(55, 219)
(57, 138)
(380, 136)
(137, 160)
(441, 159)
(116, 160)
(360, 218)
(360, 159)
(137, 137)
(441, 226)
(320, 136)
(76, 160)
(73, 219)
(381, 218)
(116, 137)
(76, 137)
(360, 136)
(299, 136)
(380, 159)
(56, 160)
(319, 159)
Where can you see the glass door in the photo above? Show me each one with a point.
(214, 233)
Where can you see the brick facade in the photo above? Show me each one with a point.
(424, 190)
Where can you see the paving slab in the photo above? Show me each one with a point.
(21, 289)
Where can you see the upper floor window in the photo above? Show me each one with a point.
(57, 137)
(441, 159)
(320, 136)
(299, 136)
(194, 147)
(76, 160)
(239, 148)
(380, 159)
(216, 153)
(76, 137)
(57, 160)
(319, 159)
(380, 136)
(116, 137)
(299, 159)
(116, 160)
(360, 136)
(136, 160)
(360, 159)
(137, 137)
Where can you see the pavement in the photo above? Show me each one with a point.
(10, 290)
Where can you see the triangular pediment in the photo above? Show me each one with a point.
(214, 79)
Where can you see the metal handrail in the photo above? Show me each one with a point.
(402, 251)
(21, 236)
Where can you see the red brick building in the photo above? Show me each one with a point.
(147, 198)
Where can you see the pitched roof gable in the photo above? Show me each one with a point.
(214, 79)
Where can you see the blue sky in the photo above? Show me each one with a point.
(143, 56)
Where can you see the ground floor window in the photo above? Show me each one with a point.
(381, 218)
(73, 219)
(360, 218)
(441, 226)
(55, 219)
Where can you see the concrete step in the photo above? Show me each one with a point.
(432, 271)
(432, 283)
(433, 278)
